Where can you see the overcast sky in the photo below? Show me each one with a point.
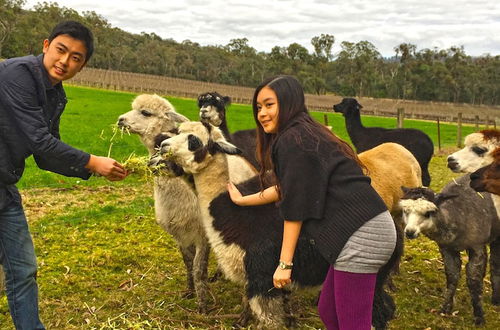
(475, 24)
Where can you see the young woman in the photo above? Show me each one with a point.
(320, 188)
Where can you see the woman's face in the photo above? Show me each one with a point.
(268, 110)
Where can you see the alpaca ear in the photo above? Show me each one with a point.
(227, 148)
(176, 117)
(405, 189)
(162, 137)
(359, 106)
(440, 198)
(227, 100)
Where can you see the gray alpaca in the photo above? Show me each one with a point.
(458, 219)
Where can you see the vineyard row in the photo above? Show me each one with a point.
(146, 83)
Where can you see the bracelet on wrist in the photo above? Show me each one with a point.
(284, 265)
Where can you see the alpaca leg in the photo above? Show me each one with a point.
(452, 266)
(200, 274)
(395, 260)
(384, 307)
(268, 311)
(426, 177)
(290, 320)
(495, 271)
(476, 270)
(246, 313)
(188, 253)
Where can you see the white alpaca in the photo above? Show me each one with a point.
(176, 204)
(477, 153)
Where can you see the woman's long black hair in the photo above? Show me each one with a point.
(292, 108)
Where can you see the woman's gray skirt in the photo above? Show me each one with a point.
(370, 247)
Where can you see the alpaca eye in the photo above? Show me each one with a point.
(479, 151)
(194, 143)
(146, 113)
(429, 214)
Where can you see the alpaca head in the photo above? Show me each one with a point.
(195, 146)
(348, 106)
(420, 208)
(151, 117)
(478, 151)
(213, 107)
(487, 178)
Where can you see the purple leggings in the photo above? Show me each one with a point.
(346, 300)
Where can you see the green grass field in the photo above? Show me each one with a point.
(105, 264)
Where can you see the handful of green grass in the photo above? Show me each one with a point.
(139, 165)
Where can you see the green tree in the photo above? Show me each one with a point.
(323, 46)
(9, 17)
(359, 65)
(405, 55)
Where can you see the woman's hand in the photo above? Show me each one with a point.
(235, 194)
(282, 277)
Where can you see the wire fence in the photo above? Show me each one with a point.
(147, 83)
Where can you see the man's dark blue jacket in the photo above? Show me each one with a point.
(30, 109)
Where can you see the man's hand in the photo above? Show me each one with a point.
(107, 167)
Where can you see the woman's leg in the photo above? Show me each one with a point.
(354, 299)
(326, 303)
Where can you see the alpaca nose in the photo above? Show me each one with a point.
(337, 107)
(203, 112)
(411, 234)
(120, 122)
(164, 145)
(452, 163)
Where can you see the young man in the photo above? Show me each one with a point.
(32, 100)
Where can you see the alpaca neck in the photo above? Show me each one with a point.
(444, 233)
(225, 130)
(212, 180)
(149, 144)
(496, 203)
(354, 126)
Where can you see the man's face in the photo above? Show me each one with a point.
(64, 57)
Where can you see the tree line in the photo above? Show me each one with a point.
(358, 69)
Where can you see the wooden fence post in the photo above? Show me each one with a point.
(401, 116)
(439, 134)
(477, 122)
(487, 122)
(325, 119)
(459, 130)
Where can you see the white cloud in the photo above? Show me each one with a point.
(384, 23)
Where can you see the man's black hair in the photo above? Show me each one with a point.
(75, 30)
